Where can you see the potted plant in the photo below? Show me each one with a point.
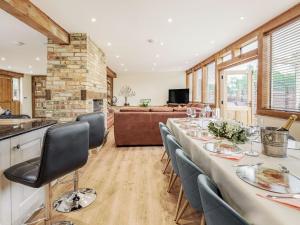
(126, 92)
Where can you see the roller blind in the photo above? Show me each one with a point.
(282, 65)
(199, 85)
(211, 83)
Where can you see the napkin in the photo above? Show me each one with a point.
(291, 202)
(230, 156)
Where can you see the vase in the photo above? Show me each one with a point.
(126, 103)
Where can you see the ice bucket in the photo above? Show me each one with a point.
(275, 143)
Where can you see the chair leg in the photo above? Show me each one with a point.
(179, 202)
(185, 205)
(202, 219)
(170, 179)
(172, 182)
(163, 155)
(167, 164)
(48, 205)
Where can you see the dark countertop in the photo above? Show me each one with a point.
(8, 131)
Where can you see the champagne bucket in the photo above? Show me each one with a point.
(275, 143)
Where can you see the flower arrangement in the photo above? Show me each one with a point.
(233, 132)
(126, 92)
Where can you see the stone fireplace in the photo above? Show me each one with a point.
(76, 79)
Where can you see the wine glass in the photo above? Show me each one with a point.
(252, 133)
(189, 112)
(193, 113)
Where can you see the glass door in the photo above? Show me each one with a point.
(238, 92)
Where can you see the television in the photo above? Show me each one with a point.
(179, 96)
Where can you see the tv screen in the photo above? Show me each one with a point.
(180, 96)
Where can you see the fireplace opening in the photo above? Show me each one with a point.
(97, 105)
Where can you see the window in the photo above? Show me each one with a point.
(226, 57)
(281, 86)
(199, 85)
(16, 89)
(210, 83)
(190, 77)
(249, 47)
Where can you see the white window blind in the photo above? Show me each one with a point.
(284, 67)
(199, 85)
(190, 87)
(210, 83)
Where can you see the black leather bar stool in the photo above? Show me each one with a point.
(82, 197)
(65, 149)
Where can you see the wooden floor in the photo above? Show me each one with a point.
(130, 186)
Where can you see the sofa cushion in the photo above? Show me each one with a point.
(134, 109)
(180, 109)
(161, 109)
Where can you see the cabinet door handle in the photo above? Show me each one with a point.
(17, 147)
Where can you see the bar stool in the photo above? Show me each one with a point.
(65, 149)
(216, 210)
(82, 197)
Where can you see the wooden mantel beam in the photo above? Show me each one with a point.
(31, 15)
(11, 73)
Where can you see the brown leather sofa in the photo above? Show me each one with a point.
(139, 126)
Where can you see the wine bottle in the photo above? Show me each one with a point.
(288, 124)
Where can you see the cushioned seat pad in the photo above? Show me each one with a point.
(24, 173)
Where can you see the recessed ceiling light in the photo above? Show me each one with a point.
(108, 44)
(3, 58)
(154, 64)
(9, 67)
(117, 56)
(30, 66)
(242, 18)
(196, 54)
(170, 20)
(122, 64)
(125, 69)
(157, 55)
(161, 43)
(18, 43)
(93, 20)
(37, 59)
(212, 42)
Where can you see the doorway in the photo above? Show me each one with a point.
(238, 92)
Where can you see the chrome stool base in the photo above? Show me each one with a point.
(75, 200)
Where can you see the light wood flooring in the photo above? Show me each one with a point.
(130, 186)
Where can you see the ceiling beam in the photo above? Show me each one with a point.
(111, 73)
(11, 73)
(31, 15)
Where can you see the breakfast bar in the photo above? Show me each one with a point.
(20, 140)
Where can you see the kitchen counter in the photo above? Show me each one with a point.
(11, 128)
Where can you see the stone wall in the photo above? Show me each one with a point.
(72, 69)
(39, 96)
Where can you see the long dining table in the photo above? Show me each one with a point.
(243, 197)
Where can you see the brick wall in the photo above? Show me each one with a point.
(72, 69)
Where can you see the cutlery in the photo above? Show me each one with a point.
(284, 196)
(284, 169)
(255, 164)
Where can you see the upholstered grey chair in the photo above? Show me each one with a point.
(172, 145)
(216, 210)
(188, 172)
(164, 131)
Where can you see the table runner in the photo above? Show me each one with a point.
(240, 195)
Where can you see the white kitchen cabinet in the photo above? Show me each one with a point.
(17, 201)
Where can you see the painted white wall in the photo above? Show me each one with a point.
(277, 122)
(154, 85)
(26, 95)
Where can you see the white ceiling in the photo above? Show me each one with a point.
(128, 24)
(21, 58)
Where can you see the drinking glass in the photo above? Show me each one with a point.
(189, 112)
(252, 133)
(193, 113)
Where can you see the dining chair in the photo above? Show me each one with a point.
(188, 172)
(164, 130)
(161, 125)
(216, 210)
(172, 145)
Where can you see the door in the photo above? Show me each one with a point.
(236, 92)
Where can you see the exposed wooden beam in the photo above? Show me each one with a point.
(31, 15)
(11, 73)
(111, 73)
